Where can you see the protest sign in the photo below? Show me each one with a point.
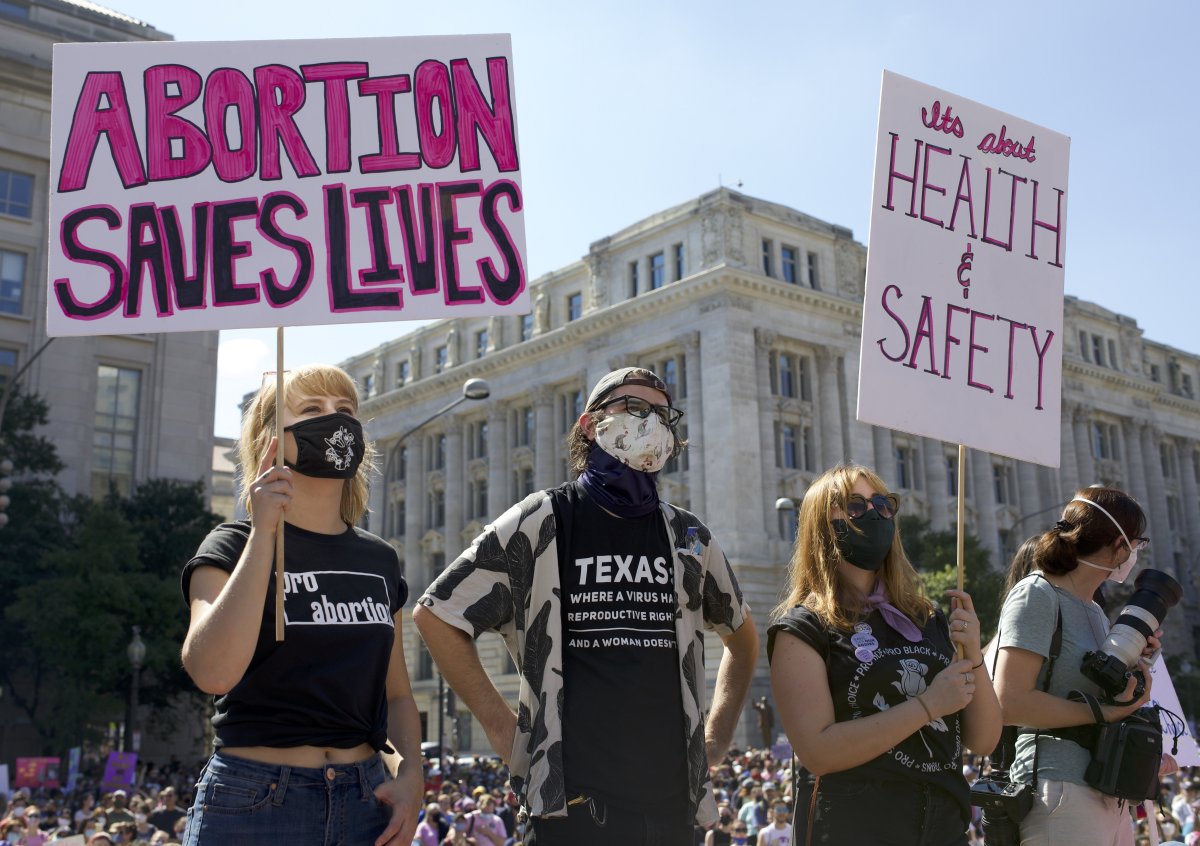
(962, 319)
(4, 780)
(281, 183)
(119, 770)
(36, 772)
(74, 759)
(1163, 691)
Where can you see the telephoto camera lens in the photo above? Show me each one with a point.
(1155, 593)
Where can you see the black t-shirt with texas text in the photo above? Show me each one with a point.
(623, 734)
(324, 684)
(872, 668)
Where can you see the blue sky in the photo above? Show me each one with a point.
(627, 108)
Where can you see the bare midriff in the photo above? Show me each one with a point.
(301, 756)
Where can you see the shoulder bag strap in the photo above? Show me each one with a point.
(1055, 648)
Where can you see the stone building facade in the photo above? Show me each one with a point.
(752, 312)
(122, 408)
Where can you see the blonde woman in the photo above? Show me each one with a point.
(300, 724)
(863, 667)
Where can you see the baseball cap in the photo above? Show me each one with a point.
(625, 376)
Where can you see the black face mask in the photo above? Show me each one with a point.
(868, 550)
(328, 447)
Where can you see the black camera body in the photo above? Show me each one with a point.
(1110, 673)
(998, 795)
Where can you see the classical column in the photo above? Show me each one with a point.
(830, 407)
(885, 454)
(1068, 471)
(456, 490)
(1083, 446)
(1028, 492)
(979, 464)
(1190, 488)
(1155, 505)
(1131, 442)
(769, 464)
(543, 459)
(414, 506)
(694, 420)
(498, 464)
(933, 456)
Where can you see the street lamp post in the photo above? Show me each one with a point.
(472, 389)
(137, 654)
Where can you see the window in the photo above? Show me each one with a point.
(633, 278)
(1106, 441)
(479, 496)
(8, 365)
(403, 373)
(572, 409)
(1002, 481)
(1083, 346)
(1098, 350)
(906, 467)
(441, 359)
(398, 464)
(12, 281)
(768, 248)
(788, 264)
(114, 436)
(526, 327)
(424, 669)
(791, 376)
(1174, 515)
(786, 447)
(481, 343)
(523, 427)
(574, 307)
(787, 378)
(658, 271)
(805, 369)
(523, 481)
(16, 10)
(1112, 354)
(435, 447)
(1155, 375)
(679, 463)
(397, 514)
(678, 253)
(952, 475)
(668, 371)
(368, 385)
(1166, 454)
(435, 516)
(1186, 384)
(814, 274)
(16, 193)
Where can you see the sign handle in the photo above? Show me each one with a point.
(279, 463)
(962, 513)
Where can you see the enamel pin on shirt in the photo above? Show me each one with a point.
(864, 643)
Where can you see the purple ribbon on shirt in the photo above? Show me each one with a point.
(893, 616)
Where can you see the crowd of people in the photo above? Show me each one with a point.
(603, 594)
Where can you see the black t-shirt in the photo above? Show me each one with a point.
(623, 735)
(324, 685)
(873, 668)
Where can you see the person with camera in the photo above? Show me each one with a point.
(872, 696)
(1098, 538)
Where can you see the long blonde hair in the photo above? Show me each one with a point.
(258, 427)
(813, 577)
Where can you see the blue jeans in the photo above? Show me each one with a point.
(247, 803)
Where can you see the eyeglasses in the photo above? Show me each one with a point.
(641, 409)
(885, 506)
(1140, 543)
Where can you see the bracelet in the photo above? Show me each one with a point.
(926, 707)
(980, 664)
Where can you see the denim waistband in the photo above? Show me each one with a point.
(281, 776)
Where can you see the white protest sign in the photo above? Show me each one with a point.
(962, 319)
(280, 183)
(1163, 692)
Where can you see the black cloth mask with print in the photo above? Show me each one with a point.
(868, 550)
(328, 447)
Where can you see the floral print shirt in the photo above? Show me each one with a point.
(508, 582)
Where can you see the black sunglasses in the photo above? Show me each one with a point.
(885, 506)
(641, 409)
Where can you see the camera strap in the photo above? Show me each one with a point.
(1055, 648)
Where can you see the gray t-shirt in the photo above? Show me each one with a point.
(1027, 622)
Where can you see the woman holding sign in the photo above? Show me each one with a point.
(866, 681)
(300, 723)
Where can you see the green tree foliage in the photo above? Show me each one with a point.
(76, 579)
(935, 555)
